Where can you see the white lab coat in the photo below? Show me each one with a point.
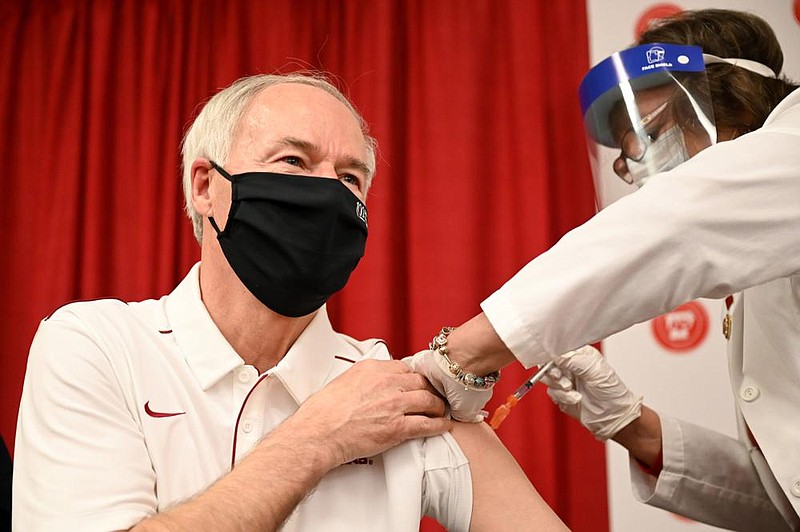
(724, 222)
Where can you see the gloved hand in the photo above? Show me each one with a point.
(465, 404)
(586, 387)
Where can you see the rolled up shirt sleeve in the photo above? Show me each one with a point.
(447, 484)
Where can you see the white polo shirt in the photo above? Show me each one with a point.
(130, 408)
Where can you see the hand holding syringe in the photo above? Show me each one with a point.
(503, 410)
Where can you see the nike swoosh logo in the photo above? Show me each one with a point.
(153, 413)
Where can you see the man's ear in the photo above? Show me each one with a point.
(201, 194)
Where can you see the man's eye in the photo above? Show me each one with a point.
(349, 178)
(293, 160)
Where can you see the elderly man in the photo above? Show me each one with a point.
(231, 404)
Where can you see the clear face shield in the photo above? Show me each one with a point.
(646, 110)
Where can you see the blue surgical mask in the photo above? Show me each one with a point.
(665, 153)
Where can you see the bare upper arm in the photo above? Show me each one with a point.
(503, 497)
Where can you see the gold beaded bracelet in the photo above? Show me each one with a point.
(469, 380)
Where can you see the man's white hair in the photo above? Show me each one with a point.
(211, 134)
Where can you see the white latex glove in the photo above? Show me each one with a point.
(466, 404)
(586, 387)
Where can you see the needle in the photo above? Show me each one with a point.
(503, 410)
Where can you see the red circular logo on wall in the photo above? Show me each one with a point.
(683, 329)
(654, 13)
(797, 11)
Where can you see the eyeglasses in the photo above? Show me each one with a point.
(634, 142)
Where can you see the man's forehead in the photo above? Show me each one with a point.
(298, 98)
(287, 109)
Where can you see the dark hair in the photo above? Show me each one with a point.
(742, 100)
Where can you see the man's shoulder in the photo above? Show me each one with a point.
(86, 307)
(106, 317)
(89, 343)
(357, 350)
(347, 351)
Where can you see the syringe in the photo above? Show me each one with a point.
(503, 410)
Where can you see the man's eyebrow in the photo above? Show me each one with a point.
(358, 164)
(301, 144)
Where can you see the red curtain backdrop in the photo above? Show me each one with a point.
(482, 166)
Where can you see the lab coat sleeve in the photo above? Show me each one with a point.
(708, 477)
(726, 220)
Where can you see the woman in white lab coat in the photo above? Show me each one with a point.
(724, 223)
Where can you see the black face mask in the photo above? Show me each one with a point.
(292, 240)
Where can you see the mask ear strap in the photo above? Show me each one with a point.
(221, 171)
(227, 176)
(214, 225)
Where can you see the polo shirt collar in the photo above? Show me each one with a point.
(208, 354)
(308, 364)
(304, 370)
